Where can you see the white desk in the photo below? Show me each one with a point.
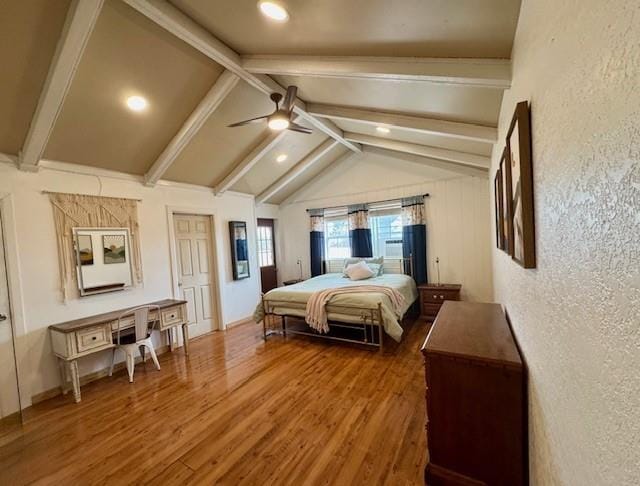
(82, 337)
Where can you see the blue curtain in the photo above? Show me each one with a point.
(359, 231)
(317, 241)
(414, 238)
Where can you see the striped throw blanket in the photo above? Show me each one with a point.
(316, 314)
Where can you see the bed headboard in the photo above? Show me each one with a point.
(391, 265)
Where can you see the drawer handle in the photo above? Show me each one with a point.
(442, 297)
(94, 338)
(435, 296)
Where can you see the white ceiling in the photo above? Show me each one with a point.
(129, 53)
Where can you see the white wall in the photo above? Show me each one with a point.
(458, 227)
(577, 316)
(38, 260)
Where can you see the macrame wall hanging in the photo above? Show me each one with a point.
(80, 211)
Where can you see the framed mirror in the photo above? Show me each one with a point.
(239, 249)
(103, 259)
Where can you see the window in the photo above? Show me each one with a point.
(265, 246)
(336, 237)
(385, 222)
(386, 232)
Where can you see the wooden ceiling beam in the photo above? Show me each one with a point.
(80, 21)
(245, 165)
(483, 73)
(173, 20)
(210, 103)
(310, 159)
(417, 124)
(343, 157)
(447, 155)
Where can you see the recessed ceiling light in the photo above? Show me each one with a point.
(383, 129)
(274, 11)
(281, 158)
(136, 103)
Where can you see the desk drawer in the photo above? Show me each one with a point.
(171, 316)
(93, 337)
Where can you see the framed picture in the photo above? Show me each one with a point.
(505, 183)
(522, 231)
(114, 249)
(498, 202)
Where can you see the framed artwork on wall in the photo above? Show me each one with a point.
(521, 231)
(505, 178)
(498, 202)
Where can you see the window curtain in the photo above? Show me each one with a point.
(359, 231)
(316, 217)
(414, 238)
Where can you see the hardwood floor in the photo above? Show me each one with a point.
(237, 411)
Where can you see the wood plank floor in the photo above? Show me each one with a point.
(237, 411)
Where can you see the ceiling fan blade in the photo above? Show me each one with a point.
(247, 122)
(299, 128)
(289, 99)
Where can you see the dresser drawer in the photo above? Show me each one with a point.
(171, 316)
(430, 310)
(93, 337)
(438, 296)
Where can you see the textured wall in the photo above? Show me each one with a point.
(577, 317)
(458, 223)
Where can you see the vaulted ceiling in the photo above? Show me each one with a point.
(420, 77)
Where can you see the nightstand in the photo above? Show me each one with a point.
(432, 297)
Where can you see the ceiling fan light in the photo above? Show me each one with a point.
(278, 123)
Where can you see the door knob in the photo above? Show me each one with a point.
(3, 317)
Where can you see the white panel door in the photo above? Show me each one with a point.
(194, 247)
(9, 398)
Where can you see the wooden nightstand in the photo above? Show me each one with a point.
(432, 297)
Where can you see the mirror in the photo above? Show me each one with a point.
(239, 249)
(103, 259)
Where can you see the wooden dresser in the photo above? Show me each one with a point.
(432, 297)
(476, 398)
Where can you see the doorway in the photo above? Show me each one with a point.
(267, 254)
(10, 406)
(194, 251)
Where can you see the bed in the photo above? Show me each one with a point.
(359, 313)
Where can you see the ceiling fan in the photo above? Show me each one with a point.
(280, 119)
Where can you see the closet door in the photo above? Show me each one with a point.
(10, 413)
(194, 247)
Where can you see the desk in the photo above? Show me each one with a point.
(82, 337)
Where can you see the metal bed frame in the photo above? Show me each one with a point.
(371, 325)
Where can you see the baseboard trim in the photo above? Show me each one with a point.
(95, 375)
(246, 320)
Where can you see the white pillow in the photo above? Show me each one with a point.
(350, 261)
(359, 271)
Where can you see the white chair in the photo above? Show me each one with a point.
(141, 339)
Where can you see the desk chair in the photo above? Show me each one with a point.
(141, 339)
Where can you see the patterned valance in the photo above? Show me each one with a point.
(316, 220)
(358, 215)
(80, 211)
(413, 210)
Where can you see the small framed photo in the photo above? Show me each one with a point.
(505, 183)
(522, 230)
(499, 213)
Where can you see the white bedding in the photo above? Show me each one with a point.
(298, 294)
